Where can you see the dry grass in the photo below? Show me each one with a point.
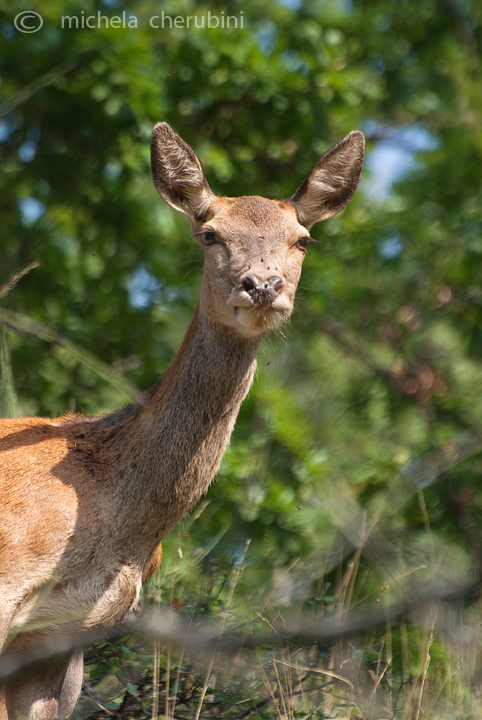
(420, 665)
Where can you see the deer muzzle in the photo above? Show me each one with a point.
(263, 293)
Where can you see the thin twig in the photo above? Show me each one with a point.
(49, 78)
(213, 637)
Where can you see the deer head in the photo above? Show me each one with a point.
(254, 248)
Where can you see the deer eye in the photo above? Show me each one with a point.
(303, 242)
(209, 237)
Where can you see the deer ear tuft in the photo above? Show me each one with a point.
(178, 174)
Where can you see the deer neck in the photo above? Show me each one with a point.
(184, 427)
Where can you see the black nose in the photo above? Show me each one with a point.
(262, 292)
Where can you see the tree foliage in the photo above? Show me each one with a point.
(365, 417)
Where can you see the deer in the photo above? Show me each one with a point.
(86, 501)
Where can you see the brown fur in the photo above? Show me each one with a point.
(84, 502)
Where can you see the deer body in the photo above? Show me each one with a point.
(84, 502)
(92, 457)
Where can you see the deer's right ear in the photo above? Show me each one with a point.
(177, 173)
(332, 183)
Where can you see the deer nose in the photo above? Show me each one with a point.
(262, 292)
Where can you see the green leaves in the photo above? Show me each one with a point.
(382, 359)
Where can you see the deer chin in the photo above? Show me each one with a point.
(256, 321)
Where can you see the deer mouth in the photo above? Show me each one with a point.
(258, 308)
(256, 319)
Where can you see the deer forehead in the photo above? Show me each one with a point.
(256, 218)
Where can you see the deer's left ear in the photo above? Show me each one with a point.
(332, 183)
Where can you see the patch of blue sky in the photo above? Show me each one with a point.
(266, 36)
(31, 210)
(143, 288)
(291, 4)
(391, 247)
(5, 131)
(394, 156)
(27, 151)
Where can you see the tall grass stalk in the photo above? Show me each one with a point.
(8, 397)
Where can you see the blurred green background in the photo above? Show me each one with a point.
(361, 440)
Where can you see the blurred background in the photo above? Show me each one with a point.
(352, 487)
